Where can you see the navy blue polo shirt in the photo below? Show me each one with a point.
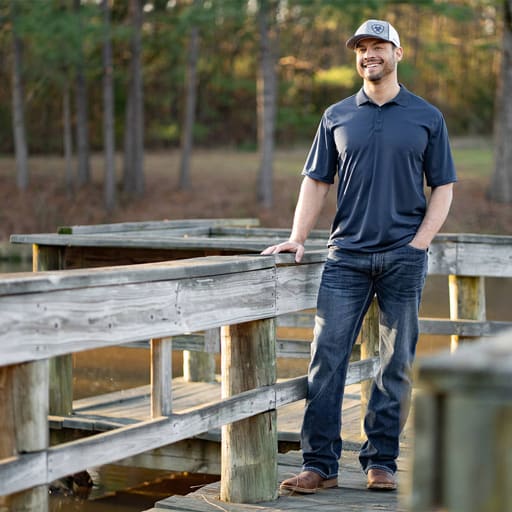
(382, 156)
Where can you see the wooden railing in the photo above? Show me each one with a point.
(463, 429)
(49, 314)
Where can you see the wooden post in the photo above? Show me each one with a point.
(61, 368)
(200, 366)
(425, 485)
(24, 426)
(463, 436)
(369, 349)
(467, 302)
(161, 377)
(249, 447)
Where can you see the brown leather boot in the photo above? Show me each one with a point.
(380, 480)
(308, 482)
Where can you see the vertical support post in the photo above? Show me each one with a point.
(61, 368)
(467, 302)
(161, 377)
(369, 349)
(24, 425)
(249, 447)
(200, 366)
(426, 485)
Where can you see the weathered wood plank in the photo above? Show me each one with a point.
(192, 455)
(442, 258)
(160, 225)
(24, 408)
(486, 362)
(198, 366)
(66, 321)
(268, 233)
(462, 327)
(483, 259)
(161, 377)
(449, 254)
(437, 326)
(297, 287)
(23, 470)
(28, 282)
(126, 407)
(474, 238)
(350, 496)
(124, 442)
(249, 447)
(130, 440)
(94, 257)
(61, 368)
(467, 396)
(156, 242)
(475, 421)
(467, 301)
(426, 472)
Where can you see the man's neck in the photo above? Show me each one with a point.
(381, 92)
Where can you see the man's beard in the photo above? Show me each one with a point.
(387, 68)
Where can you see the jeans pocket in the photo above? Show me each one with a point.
(415, 249)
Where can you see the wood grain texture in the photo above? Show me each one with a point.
(161, 377)
(467, 301)
(158, 225)
(33, 326)
(249, 447)
(24, 435)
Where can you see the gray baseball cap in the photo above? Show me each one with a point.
(375, 29)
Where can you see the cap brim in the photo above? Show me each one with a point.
(352, 42)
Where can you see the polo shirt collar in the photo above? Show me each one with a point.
(402, 98)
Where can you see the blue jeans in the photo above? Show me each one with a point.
(349, 282)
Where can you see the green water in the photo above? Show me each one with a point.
(16, 266)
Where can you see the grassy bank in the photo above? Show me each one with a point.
(223, 185)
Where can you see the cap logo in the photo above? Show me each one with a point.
(377, 28)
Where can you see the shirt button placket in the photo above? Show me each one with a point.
(378, 123)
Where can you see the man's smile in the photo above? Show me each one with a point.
(372, 65)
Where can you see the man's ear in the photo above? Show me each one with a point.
(399, 52)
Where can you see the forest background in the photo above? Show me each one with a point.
(132, 110)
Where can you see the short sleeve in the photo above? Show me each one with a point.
(438, 163)
(322, 160)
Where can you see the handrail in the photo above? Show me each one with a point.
(48, 314)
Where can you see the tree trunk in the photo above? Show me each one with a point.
(108, 113)
(68, 138)
(266, 98)
(190, 107)
(82, 130)
(18, 109)
(128, 148)
(501, 182)
(134, 128)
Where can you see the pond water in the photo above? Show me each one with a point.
(124, 489)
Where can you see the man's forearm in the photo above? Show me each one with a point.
(437, 211)
(311, 201)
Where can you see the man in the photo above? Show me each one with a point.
(382, 143)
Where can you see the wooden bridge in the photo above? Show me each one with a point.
(66, 307)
